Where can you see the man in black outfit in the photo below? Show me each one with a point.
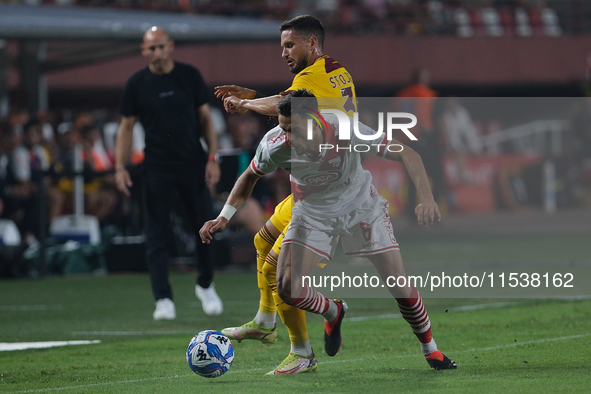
(171, 101)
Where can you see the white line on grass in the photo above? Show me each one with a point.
(132, 333)
(453, 309)
(323, 363)
(7, 346)
(530, 342)
(27, 308)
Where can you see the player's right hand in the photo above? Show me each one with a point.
(233, 104)
(123, 181)
(211, 227)
(224, 91)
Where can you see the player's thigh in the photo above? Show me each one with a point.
(282, 215)
(294, 262)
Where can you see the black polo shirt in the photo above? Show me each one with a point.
(166, 106)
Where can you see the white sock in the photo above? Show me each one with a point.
(265, 320)
(332, 312)
(302, 349)
(428, 348)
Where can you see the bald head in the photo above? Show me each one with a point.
(155, 32)
(157, 47)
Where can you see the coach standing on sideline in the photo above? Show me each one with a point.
(171, 101)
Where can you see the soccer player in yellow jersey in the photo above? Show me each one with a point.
(302, 40)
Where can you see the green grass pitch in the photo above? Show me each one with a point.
(500, 346)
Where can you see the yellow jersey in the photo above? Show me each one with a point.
(327, 78)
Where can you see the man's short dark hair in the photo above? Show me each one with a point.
(286, 108)
(306, 26)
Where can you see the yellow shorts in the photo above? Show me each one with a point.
(280, 219)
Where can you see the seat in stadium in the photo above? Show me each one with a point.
(522, 26)
(491, 22)
(507, 21)
(462, 19)
(535, 21)
(550, 23)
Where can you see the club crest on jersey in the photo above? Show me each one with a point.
(335, 161)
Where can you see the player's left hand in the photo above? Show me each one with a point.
(211, 227)
(426, 212)
(212, 173)
(224, 91)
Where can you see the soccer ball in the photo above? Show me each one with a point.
(210, 354)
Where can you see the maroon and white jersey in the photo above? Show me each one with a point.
(326, 184)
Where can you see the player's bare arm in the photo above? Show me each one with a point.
(212, 169)
(428, 208)
(122, 153)
(240, 193)
(223, 91)
(264, 106)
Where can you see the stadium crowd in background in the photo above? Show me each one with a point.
(403, 17)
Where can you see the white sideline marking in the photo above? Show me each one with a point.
(131, 333)
(530, 342)
(7, 347)
(453, 309)
(323, 362)
(26, 308)
(81, 386)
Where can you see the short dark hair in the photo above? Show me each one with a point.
(286, 109)
(306, 26)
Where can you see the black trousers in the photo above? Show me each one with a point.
(159, 192)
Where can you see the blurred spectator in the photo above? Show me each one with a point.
(100, 193)
(100, 197)
(39, 163)
(462, 137)
(19, 193)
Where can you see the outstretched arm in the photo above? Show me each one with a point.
(240, 192)
(223, 91)
(264, 106)
(427, 209)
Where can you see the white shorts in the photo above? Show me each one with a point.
(363, 232)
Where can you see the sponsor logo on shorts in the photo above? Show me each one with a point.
(368, 244)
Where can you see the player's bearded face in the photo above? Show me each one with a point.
(296, 51)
